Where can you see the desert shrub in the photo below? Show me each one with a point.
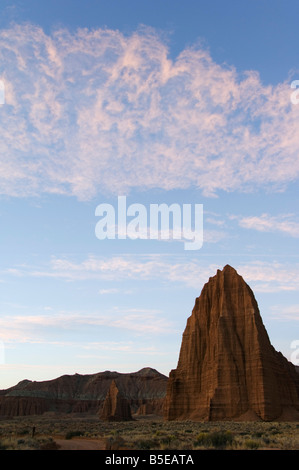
(23, 432)
(251, 444)
(50, 445)
(266, 440)
(71, 434)
(167, 440)
(2, 446)
(274, 430)
(26, 444)
(114, 443)
(218, 439)
(146, 444)
(203, 439)
(221, 439)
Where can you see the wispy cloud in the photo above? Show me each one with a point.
(115, 290)
(283, 312)
(270, 277)
(283, 223)
(96, 111)
(43, 328)
(263, 276)
(121, 268)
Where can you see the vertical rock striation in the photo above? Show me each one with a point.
(116, 407)
(84, 393)
(227, 367)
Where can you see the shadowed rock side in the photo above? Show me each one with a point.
(145, 390)
(116, 407)
(227, 368)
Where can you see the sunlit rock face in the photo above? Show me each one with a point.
(227, 367)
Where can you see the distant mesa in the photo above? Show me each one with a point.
(144, 390)
(227, 368)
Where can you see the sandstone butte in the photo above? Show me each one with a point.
(116, 407)
(227, 367)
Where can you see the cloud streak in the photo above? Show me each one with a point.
(284, 223)
(286, 312)
(47, 328)
(96, 111)
(271, 277)
(262, 276)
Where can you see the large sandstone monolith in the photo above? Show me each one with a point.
(116, 407)
(227, 368)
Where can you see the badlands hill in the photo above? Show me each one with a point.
(144, 390)
(227, 368)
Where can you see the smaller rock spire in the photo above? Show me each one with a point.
(116, 407)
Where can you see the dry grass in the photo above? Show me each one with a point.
(148, 433)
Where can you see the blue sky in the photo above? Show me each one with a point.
(162, 102)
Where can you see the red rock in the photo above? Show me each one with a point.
(116, 406)
(83, 393)
(227, 368)
(22, 406)
(150, 407)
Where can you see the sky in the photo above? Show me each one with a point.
(183, 103)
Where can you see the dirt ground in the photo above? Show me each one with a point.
(80, 444)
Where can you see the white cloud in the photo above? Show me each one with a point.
(286, 312)
(97, 111)
(214, 236)
(43, 328)
(120, 268)
(284, 223)
(113, 291)
(270, 277)
(262, 276)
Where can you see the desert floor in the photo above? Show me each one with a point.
(67, 432)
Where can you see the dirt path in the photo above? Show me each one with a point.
(80, 444)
